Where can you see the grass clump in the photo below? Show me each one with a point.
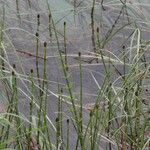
(82, 89)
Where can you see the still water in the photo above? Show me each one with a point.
(20, 35)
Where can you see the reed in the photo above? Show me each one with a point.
(56, 114)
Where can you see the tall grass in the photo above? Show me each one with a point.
(118, 114)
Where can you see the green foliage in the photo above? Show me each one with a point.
(41, 106)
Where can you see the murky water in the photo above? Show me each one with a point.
(20, 32)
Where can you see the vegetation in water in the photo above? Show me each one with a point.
(75, 75)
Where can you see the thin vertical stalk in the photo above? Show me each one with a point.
(2, 26)
(38, 22)
(61, 113)
(59, 116)
(81, 96)
(31, 107)
(124, 120)
(65, 43)
(37, 49)
(109, 101)
(109, 113)
(16, 105)
(42, 103)
(57, 132)
(91, 129)
(96, 126)
(137, 114)
(68, 135)
(37, 61)
(92, 27)
(45, 65)
(50, 25)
